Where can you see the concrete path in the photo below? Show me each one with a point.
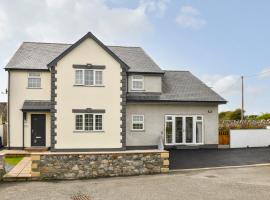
(203, 158)
(223, 184)
(22, 169)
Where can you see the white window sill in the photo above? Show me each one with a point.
(89, 85)
(137, 130)
(185, 144)
(39, 88)
(137, 90)
(97, 131)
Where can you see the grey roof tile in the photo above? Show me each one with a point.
(34, 55)
(180, 86)
(136, 59)
(38, 105)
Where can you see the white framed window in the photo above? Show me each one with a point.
(89, 122)
(79, 122)
(79, 77)
(98, 77)
(98, 122)
(137, 122)
(34, 80)
(137, 82)
(88, 77)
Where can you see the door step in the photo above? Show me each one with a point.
(36, 149)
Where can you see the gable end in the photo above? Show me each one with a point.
(88, 35)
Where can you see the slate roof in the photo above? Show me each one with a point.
(136, 59)
(179, 86)
(34, 55)
(36, 105)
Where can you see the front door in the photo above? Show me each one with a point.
(38, 129)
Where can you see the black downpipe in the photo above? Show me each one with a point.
(24, 115)
(8, 110)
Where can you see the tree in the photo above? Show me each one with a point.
(236, 115)
(230, 115)
(263, 116)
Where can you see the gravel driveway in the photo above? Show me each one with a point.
(222, 184)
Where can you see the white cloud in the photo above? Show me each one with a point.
(3, 25)
(190, 18)
(224, 85)
(55, 3)
(68, 20)
(265, 73)
(154, 6)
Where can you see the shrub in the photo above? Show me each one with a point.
(243, 124)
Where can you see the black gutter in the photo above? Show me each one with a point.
(146, 73)
(23, 130)
(173, 101)
(8, 110)
(35, 110)
(25, 69)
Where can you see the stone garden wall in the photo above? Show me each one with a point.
(2, 166)
(53, 166)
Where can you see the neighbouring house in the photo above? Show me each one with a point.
(3, 112)
(88, 96)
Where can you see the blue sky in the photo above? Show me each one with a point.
(216, 40)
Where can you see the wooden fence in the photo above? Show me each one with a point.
(4, 135)
(224, 137)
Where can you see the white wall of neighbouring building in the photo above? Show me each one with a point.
(249, 138)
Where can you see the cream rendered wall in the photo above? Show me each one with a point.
(154, 121)
(151, 84)
(18, 94)
(27, 129)
(80, 97)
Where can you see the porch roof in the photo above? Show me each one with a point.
(36, 105)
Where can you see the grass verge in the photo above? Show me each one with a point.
(13, 160)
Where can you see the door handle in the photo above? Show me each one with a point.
(38, 137)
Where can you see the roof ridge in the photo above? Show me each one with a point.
(123, 46)
(176, 70)
(47, 43)
(62, 43)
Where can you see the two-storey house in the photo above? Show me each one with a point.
(89, 96)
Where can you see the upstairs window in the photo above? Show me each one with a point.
(79, 77)
(34, 80)
(137, 83)
(98, 77)
(138, 122)
(88, 77)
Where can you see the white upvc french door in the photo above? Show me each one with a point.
(183, 129)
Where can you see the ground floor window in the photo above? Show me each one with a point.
(181, 129)
(88, 122)
(137, 122)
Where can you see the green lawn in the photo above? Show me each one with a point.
(13, 160)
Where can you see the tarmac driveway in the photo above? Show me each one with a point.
(201, 158)
(247, 183)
